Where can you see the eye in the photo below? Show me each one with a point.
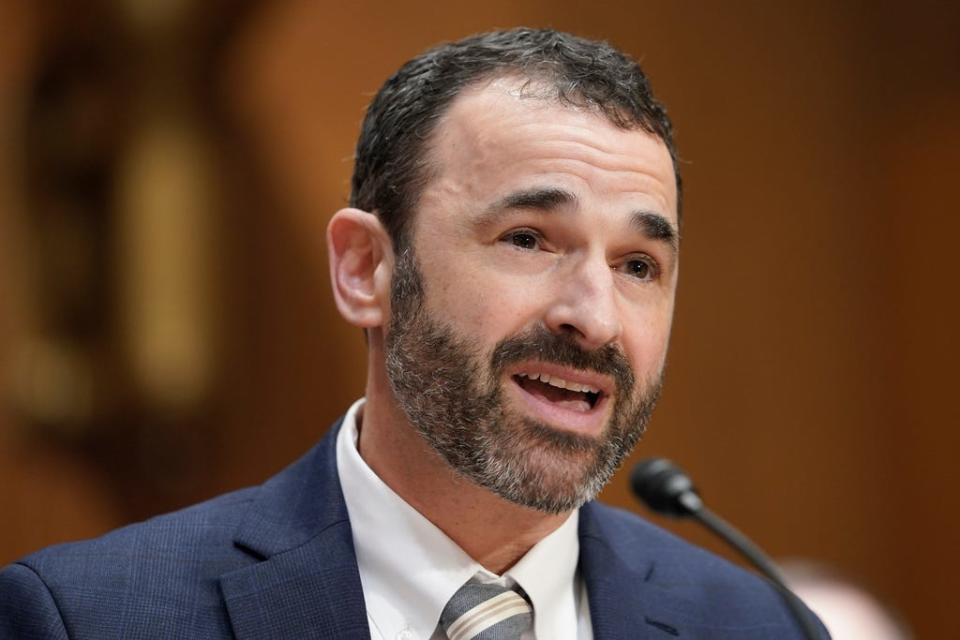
(523, 239)
(640, 267)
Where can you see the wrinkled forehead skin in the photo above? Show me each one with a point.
(480, 141)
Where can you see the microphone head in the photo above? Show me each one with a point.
(664, 488)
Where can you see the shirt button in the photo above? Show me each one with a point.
(406, 634)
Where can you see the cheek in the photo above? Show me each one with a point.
(483, 303)
(485, 310)
(646, 343)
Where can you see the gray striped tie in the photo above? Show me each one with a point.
(486, 612)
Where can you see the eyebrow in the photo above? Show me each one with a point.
(545, 199)
(549, 199)
(656, 227)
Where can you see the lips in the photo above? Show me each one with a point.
(563, 397)
(565, 393)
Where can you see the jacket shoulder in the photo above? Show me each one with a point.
(709, 595)
(637, 542)
(163, 571)
(27, 608)
(197, 529)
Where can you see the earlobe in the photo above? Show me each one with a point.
(358, 247)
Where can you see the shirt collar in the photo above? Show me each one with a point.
(547, 573)
(410, 569)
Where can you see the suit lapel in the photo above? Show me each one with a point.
(624, 600)
(305, 582)
(312, 591)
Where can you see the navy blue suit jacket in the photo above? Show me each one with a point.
(277, 561)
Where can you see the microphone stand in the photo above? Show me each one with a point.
(667, 490)
(728, 533)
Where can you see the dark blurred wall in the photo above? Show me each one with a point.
(810, 383)
(46, 494)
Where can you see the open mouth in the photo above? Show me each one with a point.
(572, 396)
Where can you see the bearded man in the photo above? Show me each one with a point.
(511, 252)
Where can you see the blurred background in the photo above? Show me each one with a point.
(166, 326)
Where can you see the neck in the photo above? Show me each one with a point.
(493, 531)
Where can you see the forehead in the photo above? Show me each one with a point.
(504, 134)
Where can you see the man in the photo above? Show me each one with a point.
(511, 252)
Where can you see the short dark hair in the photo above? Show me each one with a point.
(391, 167)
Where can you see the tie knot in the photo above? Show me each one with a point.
(480, 611)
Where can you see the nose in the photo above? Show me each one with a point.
(584, 304)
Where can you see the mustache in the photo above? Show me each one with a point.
(537, 343)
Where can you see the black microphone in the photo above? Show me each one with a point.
(667, 490)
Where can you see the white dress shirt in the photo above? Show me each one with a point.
(410, 569)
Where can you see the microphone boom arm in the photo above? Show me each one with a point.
(666, 489)
(732, 536)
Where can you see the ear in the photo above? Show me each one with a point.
(361, 255)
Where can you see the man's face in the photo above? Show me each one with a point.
(530, 318)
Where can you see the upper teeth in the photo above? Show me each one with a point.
(560, 383)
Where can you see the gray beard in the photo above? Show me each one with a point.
(454, 399)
